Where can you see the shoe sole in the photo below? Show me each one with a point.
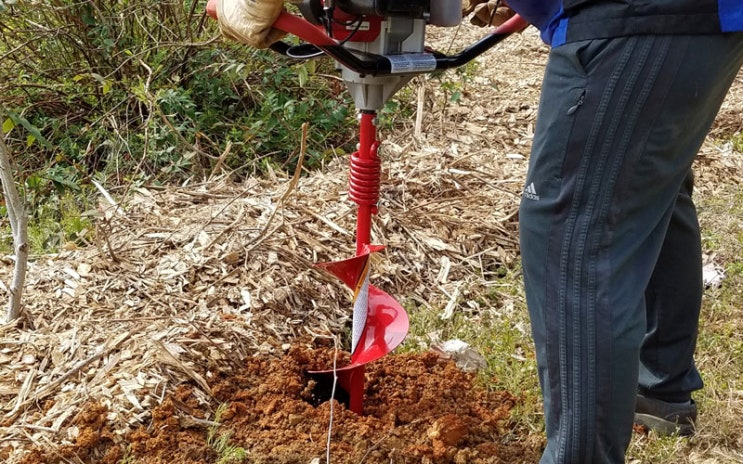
(663, 427)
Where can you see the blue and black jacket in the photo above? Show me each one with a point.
(564, 21)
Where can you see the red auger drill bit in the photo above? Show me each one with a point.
(380, 323)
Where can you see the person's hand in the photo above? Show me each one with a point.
(487, 12)
(249, 21)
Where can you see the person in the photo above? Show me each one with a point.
(610, 241)
(609, 237)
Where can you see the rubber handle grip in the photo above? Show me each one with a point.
(513, 24)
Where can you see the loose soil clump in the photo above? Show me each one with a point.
(417, 408)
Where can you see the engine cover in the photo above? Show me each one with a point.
(437, 12)
(416, 9)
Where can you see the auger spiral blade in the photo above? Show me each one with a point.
(380, 323)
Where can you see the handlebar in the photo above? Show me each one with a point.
(382, 65)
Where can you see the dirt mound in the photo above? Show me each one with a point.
(418, 408)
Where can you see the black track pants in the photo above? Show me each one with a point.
(619, 125)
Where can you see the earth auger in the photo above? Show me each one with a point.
(378, 46)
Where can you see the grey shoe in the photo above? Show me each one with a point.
(666, 418)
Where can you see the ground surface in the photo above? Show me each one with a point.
(206, 295)
(418, 408)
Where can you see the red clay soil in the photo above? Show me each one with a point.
(418, 408)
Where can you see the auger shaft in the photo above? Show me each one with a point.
(365, 177)
(363, 189)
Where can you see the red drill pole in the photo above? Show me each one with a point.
(365, 178)
(363, 189)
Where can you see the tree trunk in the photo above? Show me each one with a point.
(19, 227)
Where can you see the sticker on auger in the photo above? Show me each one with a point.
(362, 26)
(411, 63)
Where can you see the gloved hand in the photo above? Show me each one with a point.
(483, 12)
(250, 21)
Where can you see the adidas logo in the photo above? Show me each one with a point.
(530, 192)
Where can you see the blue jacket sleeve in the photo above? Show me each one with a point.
(545, 15)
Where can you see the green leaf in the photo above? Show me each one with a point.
(61, 180)
(87, 16)
(30, 139)
(303, 75)
(34, 181)
(98, 77)
(8, 125)
(33, 130)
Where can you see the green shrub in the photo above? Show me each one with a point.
(137, 91)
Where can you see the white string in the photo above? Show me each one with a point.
(332, 396)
